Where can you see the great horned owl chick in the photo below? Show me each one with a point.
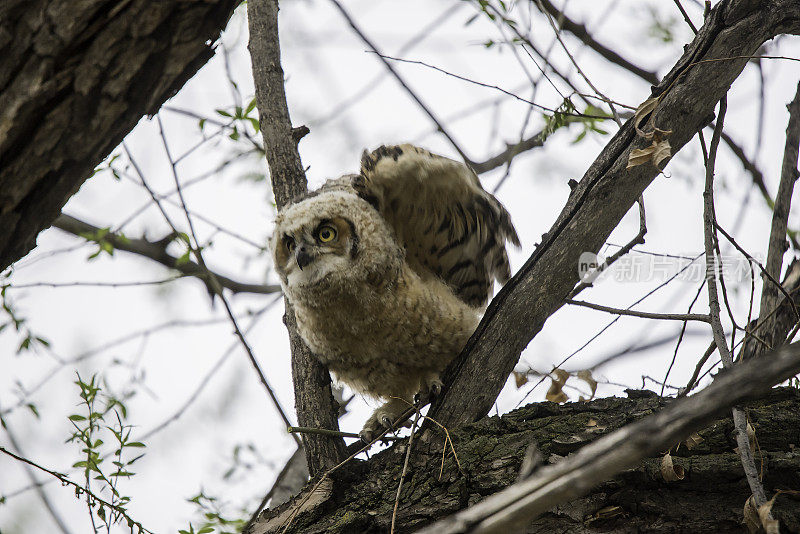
(388, 270)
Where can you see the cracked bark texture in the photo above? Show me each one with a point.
(709, 499)
(75, 78)
(733, 31)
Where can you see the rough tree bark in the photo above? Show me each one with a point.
(314, 402)
(75, 78)
(733, 31)
(709, 498)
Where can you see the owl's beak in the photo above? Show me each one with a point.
(302, 257)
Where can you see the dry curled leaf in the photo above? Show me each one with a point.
(520, 379)
(693, 441)
(750, 514)
(586, 376)
(644, 110)
(771, 525)
(554, 393)
(669, 471)
(751, 436)
(657, 152)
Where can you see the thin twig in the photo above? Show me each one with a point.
(326, 432)
(79, 489)
(57, 519)
(214, 284)
(432, 116)
(580, 31)
(557, 31)
(709, 220)
(680, 338)
(693, 380)
(405, 470)
(780, 213)
(275, 485)
(638, 239)
(156, 251)
(764, 271)
(644, 315)
(686, 16)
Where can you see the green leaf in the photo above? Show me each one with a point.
(135, 444)
(224, 113)
(184, 258)
(250, 107)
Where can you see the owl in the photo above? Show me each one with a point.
(389, 270)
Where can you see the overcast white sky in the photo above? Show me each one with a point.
(325, 64)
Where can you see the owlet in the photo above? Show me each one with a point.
(388, 271)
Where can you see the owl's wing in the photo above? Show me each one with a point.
(449, 225)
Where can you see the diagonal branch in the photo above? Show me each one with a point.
(509, 510)
(686, 100)
(580, 31)
(156, 251)
(780, 216)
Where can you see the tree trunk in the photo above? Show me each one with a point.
(709, 498)
(75, 78)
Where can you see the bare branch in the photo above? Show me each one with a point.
(314, 400)
(623, 449)
(643, 315)
(710, 241)
(580, 31)
(431, 115)
(780, 217)
(685, 102)
(156, 251)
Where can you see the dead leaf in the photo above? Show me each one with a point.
(669, 471)
(554, 393)
(771, 525)
(751, 436)
(751, 520)
(586, 376)
(645, 109)
(693, 441)
(640, 156)
(520, 379)
(657, 152)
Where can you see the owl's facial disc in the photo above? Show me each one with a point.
(311, 254)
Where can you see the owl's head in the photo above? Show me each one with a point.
(330, 237)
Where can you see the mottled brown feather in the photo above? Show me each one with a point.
(448, 224)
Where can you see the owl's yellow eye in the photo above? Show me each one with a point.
(326, 234)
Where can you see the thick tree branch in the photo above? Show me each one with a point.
(314, 401)
(686, 99)
(156, 251)
(624, 449)
(75, 81)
